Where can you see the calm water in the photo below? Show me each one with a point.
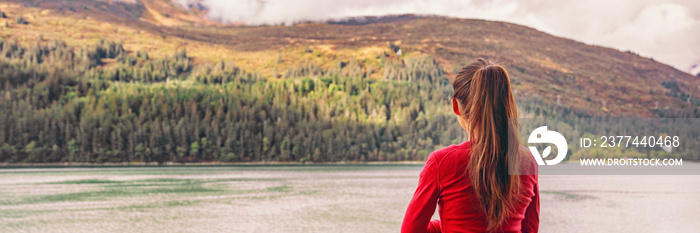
(337, 198)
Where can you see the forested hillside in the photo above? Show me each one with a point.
(61, 105)
(104, 104)
(172, 86)
(595, 79)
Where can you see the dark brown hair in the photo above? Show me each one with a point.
(486, 103)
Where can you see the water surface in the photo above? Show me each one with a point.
(325, 198)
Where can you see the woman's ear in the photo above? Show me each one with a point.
(455, 107)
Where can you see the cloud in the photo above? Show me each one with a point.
(667, 30)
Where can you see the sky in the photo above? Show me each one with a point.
(666, 30)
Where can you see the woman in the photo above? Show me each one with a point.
(471, 182)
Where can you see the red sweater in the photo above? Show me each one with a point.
(442, 182)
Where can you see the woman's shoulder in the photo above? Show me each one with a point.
(441, 153)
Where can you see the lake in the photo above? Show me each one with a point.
(315, 198)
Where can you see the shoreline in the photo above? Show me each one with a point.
(218, 164)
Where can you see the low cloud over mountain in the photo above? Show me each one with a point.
(668, 30)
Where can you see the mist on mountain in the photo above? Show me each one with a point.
(664, 30)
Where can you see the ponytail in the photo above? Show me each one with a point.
(486, 102)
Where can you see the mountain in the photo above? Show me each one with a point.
(593, 79)
(157, 12)
(153, 81)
